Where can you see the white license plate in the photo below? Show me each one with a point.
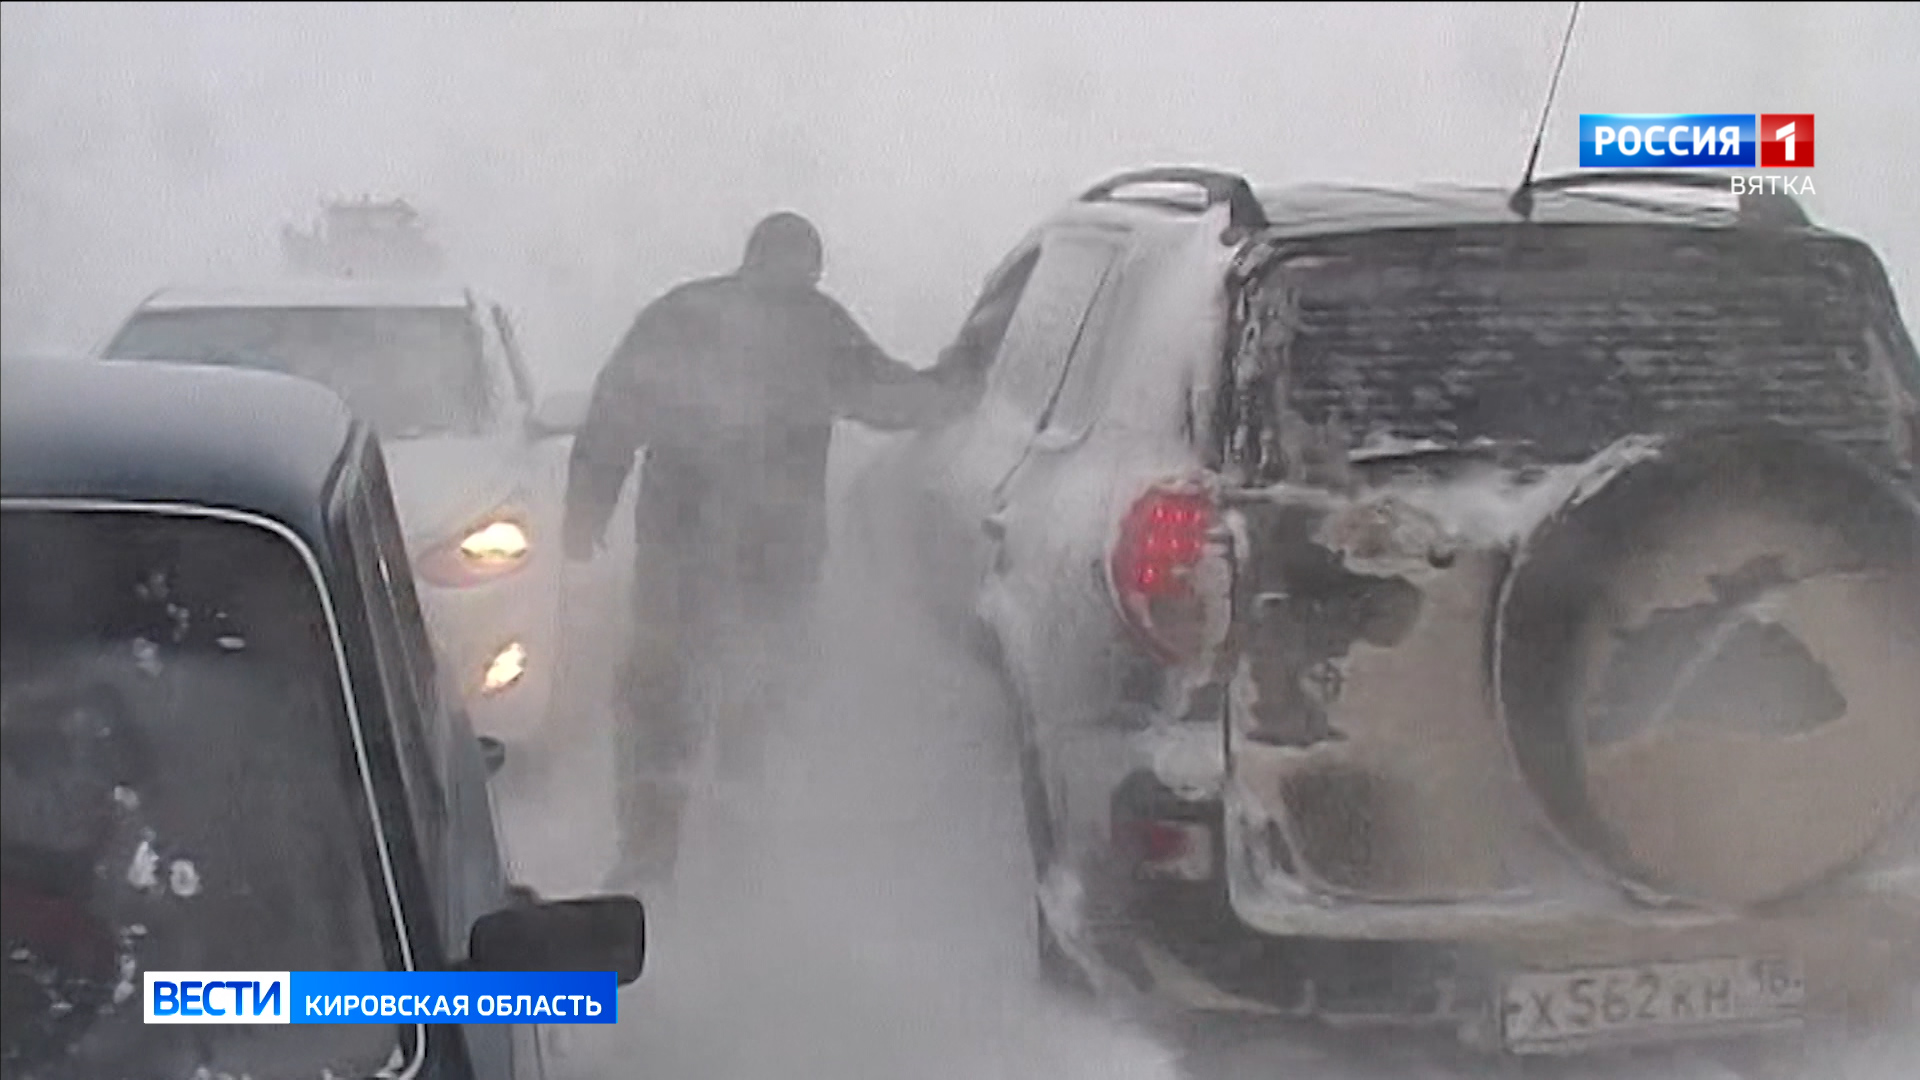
(1556, 1012)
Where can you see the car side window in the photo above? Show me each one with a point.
(1047, 324)
(1083, 390)
(978, 343)
(406, 667)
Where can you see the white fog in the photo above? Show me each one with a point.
(577, 160)
(586, 156)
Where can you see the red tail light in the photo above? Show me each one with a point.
(1163, 539)
(1167, 849)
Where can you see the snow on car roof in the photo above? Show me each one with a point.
(1304, 210)
(1319, 209)
(310, 293)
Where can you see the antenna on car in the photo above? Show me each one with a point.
(1522, 200)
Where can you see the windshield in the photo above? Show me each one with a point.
(1567, 338)
(409, 372)
(180, 794)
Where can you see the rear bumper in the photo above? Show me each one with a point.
(1857, 978)
(1445, 966)
(1531, 923)
(1255, 941)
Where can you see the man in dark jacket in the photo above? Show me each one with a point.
(732, 384)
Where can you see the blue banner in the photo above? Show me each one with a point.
(381, 997)
(1668, 140)
(459, 997)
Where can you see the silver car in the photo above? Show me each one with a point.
(477, 464)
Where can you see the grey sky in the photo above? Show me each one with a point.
(582, 157)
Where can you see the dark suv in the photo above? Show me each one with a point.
(1440, 604)
(227, 741)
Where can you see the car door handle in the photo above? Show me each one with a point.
(995, 525)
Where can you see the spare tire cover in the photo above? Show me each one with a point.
(1709, 664)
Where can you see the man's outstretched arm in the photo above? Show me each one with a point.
(874, 389)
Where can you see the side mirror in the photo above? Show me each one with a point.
(494, 753)
(598, 933)
(559, 414)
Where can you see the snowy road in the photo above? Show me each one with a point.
(881, 927)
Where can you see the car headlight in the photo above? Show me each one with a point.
(494, 547)
(504, 669)
(495, 543)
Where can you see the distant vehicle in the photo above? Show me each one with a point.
(1429, 606)
(478, 465)
(227, 743)
(364, 238)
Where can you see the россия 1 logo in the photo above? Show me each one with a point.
(1696, 140)
(1703, 141)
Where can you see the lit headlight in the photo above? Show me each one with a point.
(498, 545)
(505, 669)
(496, 542)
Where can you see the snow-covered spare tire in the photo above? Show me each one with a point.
(1708, 662)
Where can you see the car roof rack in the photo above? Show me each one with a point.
(1244, 211)
(1766, 209)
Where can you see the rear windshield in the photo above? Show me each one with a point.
(180, 794)
(408, 371)
(1563, 339)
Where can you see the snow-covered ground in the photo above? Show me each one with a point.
(878, 928)
(880, 924)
